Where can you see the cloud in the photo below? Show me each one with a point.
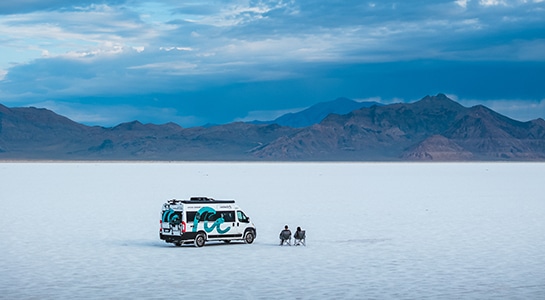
(176, 48)
(462, 3)
(265, 30)
(380, 100)
(492, 2)
(27, 6)
(112, 115)
(521, 110)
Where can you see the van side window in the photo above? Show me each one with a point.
(191, 216)
(228, 216)
(208, 216)
(242, 217)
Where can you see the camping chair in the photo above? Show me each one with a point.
(300, 238)
(285, 237)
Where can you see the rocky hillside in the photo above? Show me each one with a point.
(435, 128)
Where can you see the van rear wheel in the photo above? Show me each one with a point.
(249, 237)
(199, 240)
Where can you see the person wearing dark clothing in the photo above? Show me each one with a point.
(285, 236)
(298, 234)
(299, 237)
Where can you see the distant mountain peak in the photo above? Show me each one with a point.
(440, 102)
(439, 98)
(316, 113)
(133, 125)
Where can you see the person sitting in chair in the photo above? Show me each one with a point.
(299, 237)
(285, 236)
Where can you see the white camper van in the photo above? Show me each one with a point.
(202, 219)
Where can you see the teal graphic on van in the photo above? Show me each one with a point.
(172, 217)
(207, 214)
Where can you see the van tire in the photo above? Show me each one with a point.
(249, 237)
(199, 240)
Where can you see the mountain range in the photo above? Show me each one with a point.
(434, 128)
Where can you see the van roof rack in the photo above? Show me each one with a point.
(206, 199)
(199, 200)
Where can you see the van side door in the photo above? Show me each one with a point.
(242, 222)
(228, 224)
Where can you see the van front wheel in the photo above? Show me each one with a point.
(249, 237)
(199, 240)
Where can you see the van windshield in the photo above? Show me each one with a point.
(242, 217)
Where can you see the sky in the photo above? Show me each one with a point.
(213, 62)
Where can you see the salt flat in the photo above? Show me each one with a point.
(374, 231)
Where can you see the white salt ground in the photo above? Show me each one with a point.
(374, 231)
